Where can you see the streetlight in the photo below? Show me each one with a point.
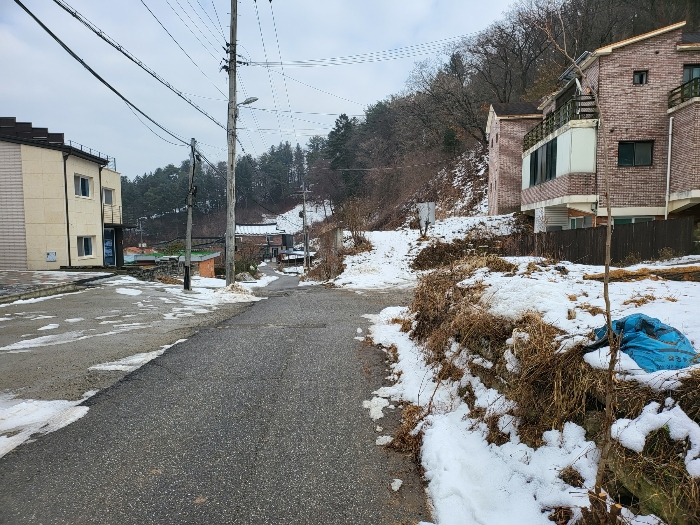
(231, 179)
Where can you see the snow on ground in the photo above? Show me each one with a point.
(131, 363)
(290, 221)
(472, 481)
(388, 264)
(20, 418)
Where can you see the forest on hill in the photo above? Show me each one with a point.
(406, 146)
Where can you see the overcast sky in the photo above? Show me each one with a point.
(42, 84)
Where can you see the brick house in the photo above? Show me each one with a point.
(264, 240)
(506, 126)
(60, 202)
(649, 90)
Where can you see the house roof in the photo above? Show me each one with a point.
(258, 229)
(607, 50)
(515, 109)
(512, 111)
(25, 133)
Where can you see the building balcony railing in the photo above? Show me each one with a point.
(577, 108)
(684, 92)
(116, 215)
(111, 161)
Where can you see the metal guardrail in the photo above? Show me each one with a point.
(690, 89)
(577, 108)
(111, 161)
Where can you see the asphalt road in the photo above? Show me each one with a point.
(254, 420)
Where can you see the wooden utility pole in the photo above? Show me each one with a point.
(307, 263)
(190, 203)
(231, 164)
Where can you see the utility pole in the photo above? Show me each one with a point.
(191, 190)
(230, 165)
(306, 232)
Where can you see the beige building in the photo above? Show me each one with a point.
(60, 203)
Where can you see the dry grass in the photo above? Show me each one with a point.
(593, 310)
(169, 280)
(406, 440)
(683, 273)
(405, 323)
(640, 300)
(439, 254)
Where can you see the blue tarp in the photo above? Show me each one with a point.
(652, 344)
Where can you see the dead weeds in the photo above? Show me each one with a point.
(407, 440)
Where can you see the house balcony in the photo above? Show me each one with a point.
(581, 107)
(684, 93)
(115, 216)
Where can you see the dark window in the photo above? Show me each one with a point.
(108, 196)
(641, 77)
(690, 72)
(82, 186)
(543, 163)
(84, 246)
(635, 153)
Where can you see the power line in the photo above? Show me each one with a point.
(92, 27)
(94, 73)
(312, 87)
(217, 18)
(279, 52)
(375, 56)
(269, 77)
(203, 22)
(181, 49)
(190, 30)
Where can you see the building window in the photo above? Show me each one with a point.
(82, 186)
(84, 246)
(108, 196)
(635, 153)
(641, 77)
(581, 222)
(270, 238)
(631, 220)
(543, 163)
(690, 72)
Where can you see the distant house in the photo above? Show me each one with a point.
(60, 203)
(649, 90)
(266, 240)
(506, 126)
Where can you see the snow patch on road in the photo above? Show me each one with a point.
(131, 363)
(21, 418)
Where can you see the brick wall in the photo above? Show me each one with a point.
(639, 112)
(571, 184)
(505, 163)
(685, 154)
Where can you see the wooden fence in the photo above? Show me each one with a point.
(642, 241)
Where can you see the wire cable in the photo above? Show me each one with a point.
(269, 77)
(92, 27)
(216, 37)
(190, 30)
(217, 18)
(312, 87)
(181, 49)
(279, 53)
(375, 56)
(94, 73)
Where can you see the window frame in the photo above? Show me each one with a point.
(111, 196)
(641, 74)
(635, 155)
(688, 68)
(78, 183)
(82, 252)
(543, 163)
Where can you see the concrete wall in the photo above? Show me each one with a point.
(44, 207)
(112, 180)
(85, 213)
(13, 240)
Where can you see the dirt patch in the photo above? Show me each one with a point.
(684, 273)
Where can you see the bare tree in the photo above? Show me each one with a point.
(548, 17)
